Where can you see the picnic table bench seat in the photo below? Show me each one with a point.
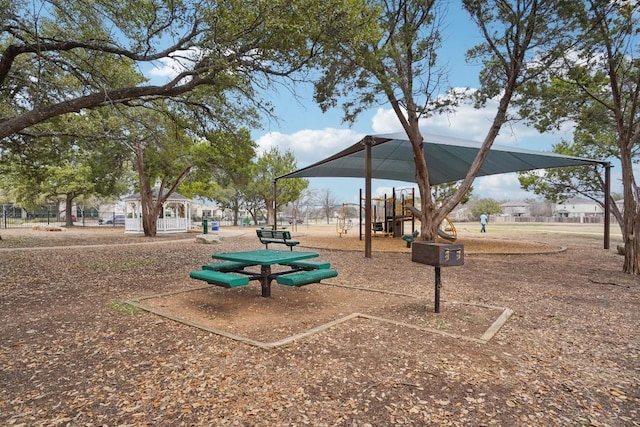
(282, 237)
(219, 278)
(308, 265)
(226, 266)
(306, 277)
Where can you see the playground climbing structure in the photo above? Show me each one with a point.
(392, 216)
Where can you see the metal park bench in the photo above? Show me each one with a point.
(282, 237)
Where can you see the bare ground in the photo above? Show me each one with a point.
(73, 353)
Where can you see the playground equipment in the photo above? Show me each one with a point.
(344, 222)
(389, 216)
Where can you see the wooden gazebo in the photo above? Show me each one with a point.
(174, 217)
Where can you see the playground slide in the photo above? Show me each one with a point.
(416, 212)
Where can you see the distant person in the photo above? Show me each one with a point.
(483, 222)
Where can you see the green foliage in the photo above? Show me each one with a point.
(222, 161)
(222, 171)
(267, 168)
(63, 57)
(125, 308)
(522, 40)
(594, 86)
(559, 184)
(488, 206)
(77, 159)
(442, 192)
(392, 59)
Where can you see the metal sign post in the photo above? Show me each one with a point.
(437, 255)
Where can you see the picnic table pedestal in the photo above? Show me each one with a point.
(265, 282)
(265, 259)
(437, 255)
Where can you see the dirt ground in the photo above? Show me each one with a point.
(362, 349)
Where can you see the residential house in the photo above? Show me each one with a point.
(577, 207)
(516, 208)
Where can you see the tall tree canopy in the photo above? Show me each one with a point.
(78, 158)
(595, 86)
(67, 57)
(402, 68)
(270, 165)
(222, 169)
(59, 57)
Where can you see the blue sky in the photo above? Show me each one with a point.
(312, 135)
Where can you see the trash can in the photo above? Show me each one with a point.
(205, 226)
(215, 226)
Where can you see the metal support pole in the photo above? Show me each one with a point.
(393, 213)
(368, 142)
(607, 206)
(275, 205)
(360, 213)
(437, 290)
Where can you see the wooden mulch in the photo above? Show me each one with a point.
(72, 352)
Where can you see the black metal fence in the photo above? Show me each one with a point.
(20, 218)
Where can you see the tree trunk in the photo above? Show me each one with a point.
(631, 240)
(68, 204)
(235, 215)
(631, 212)
(148, 207)
(271, 215)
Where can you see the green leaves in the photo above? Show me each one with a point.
(63, 57)
(488, 206)
(270, 165)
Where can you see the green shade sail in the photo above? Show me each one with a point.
(448, 159)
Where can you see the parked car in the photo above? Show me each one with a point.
(112, 220)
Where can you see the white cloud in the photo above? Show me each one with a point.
(473, 124)
(309, 146)
(173, 65)
(500, 187)
(385, 121)
(385, 188)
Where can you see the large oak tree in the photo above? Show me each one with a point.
(595, 85)
(59, 56)
(402, 68)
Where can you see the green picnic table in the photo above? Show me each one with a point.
(265, 259)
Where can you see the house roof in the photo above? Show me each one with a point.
(577, 201)
(448, 159)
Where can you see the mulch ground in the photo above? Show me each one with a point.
(72, 352)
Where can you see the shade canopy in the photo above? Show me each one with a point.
(448, 160)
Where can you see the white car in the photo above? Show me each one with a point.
(112, 220)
